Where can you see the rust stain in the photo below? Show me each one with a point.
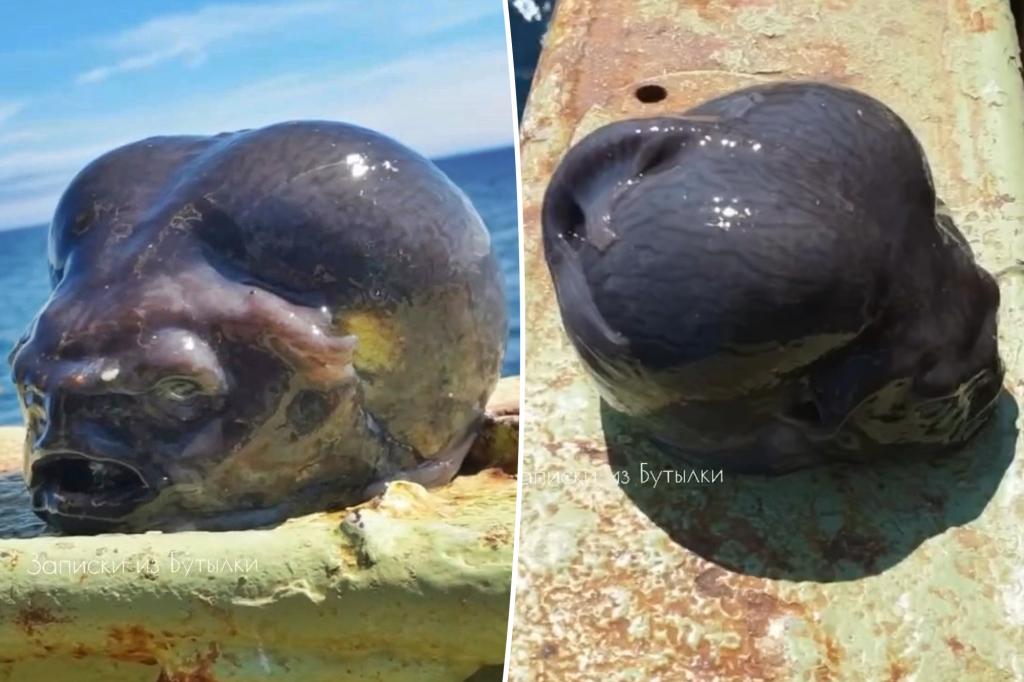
(980, 23)
(974, 20)
(708, 585)
(955, 645)
(498, 537)
(199, 669)
(969, 538)
(831, 665)
(609, 70)
(134, 644)
(29, 618)
(581, 447)
(708, 76)
(746, 610)
(727, 10)
(897, 671)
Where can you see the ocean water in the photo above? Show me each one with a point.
(488, 177)
(528, 22)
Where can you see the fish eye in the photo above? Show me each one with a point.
(180, 399)
(178, 389)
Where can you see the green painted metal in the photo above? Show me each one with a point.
(413, 585)
(903, 571)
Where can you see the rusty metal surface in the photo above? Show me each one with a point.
(357, 594)
(905, 571)
(351, 595)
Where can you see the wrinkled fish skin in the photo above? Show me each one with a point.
(768, 281)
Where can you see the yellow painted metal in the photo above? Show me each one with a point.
(896, 572)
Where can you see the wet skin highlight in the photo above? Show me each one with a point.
(255, 325)
(768, 281)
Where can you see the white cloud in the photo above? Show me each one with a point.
(27, 162)
(440, 101)
(188, 53)
(8, 109)
(20, 136)
(188, 37)
(436, 102)
(448, 16)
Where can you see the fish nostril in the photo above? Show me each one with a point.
(659, 153)
(573, 223)
(563, 217)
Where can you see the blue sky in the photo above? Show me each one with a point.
(79, 78)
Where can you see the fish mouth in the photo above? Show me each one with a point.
(86, 494)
